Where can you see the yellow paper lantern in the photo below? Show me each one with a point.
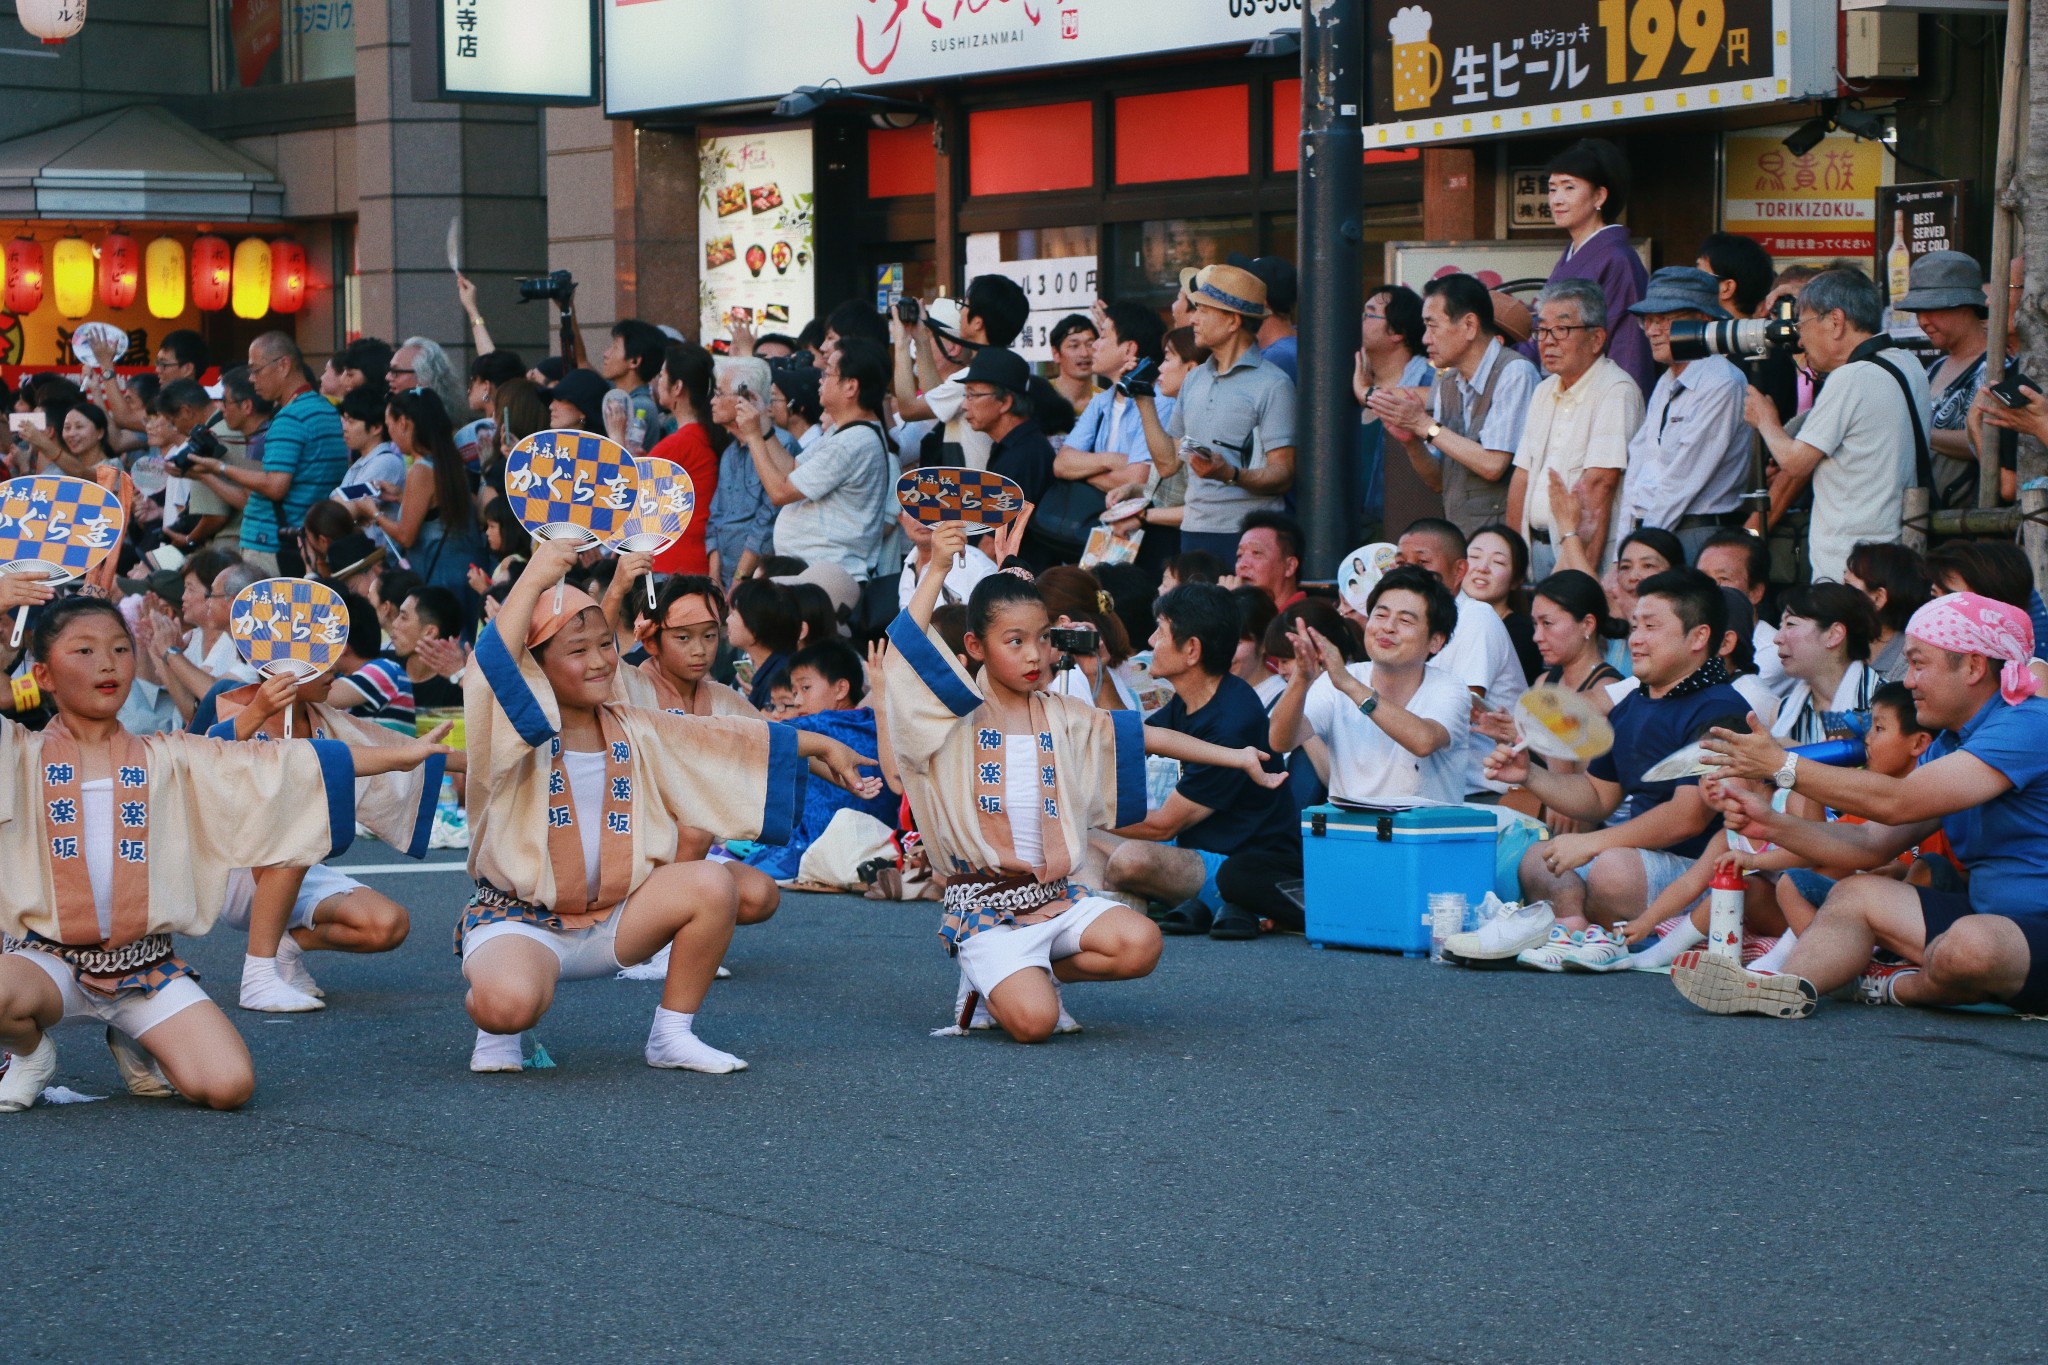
(71, 272)
(163, 274)
(251, 297)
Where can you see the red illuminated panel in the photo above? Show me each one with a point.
(1021, 151)
(1287, 134)
(900, 162)
(1183, 135)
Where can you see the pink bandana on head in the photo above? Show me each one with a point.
(1970, 623)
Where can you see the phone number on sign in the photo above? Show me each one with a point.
(1252, 9)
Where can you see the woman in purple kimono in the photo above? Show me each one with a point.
(1588, 189)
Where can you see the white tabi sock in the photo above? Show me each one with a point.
(263, 988)
(1666, 949)
(1774, 960)
(671, 1044)
(496, 1052)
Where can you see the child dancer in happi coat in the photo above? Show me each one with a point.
(577, 807)
(114, 842)
(1006, 781)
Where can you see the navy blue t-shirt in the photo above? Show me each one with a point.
(1649, 730)
(1246, 815)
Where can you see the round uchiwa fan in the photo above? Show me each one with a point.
(1562, 725)
(571, 485)
(1360, 572)
(292, 627)
(662, 511)
(982, 499)
(56, 528)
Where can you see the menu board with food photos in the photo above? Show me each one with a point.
(754, 222)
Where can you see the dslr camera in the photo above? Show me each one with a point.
(202, 444)
(559, 286)
(1141, 382)
(1739, 338)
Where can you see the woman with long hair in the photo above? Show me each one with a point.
(1074, 598)
(520, 413)
(684, 388)
(1497, 569)
(76, 445)
(436, 525)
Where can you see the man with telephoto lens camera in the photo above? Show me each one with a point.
(1865, 440)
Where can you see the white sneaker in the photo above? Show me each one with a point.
(1720, 985)
(21, 1085)
(291, 968)
(1550, 956)
(1597, 951)
(1500, 939)
(495, 1052)
(139, 1071)
(265, 990)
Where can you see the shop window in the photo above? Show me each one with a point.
(1286, 123)
(900, 162)
(1024, 151)
(282, 42)
(1146, 258)
(1183, 135)
(1057, 269)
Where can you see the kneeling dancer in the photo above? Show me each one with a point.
(576, 806)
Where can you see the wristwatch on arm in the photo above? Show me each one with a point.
(1788, 774)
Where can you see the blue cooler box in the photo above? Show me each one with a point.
(1369, 874)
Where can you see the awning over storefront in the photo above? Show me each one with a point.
(140, 162)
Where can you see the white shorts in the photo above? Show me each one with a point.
(993, 956)
(585, 954)
(321, 882)
(132, 1012)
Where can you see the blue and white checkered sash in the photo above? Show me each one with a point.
(989, 900)
(489, 905)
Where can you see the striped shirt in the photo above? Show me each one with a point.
(388, 692)
(303, 440)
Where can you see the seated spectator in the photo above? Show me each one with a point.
(1073, 341)
(1196, 566)
(817, 616)
(825, 681)
(1571, 628)
(1824, 642)
(325, 523)
(1576, 432)
(1594, 881)
(1496, 573)
(1308, 767)
(764, 624)
(209, 657)
(1739, 560)
(437, 525)
(1688, 464)
(1894, 578)
(1997, 569)
(150, 708)
(1643, 554)
(1219, 847)
(1269, 556)
(426, 636)
(368, 682)
(835, 497)
(1461, 440)
(1397, 727)
(739, 525)
(1738, 652)
(1478, 652)
(388, 592)
(1984, 783)
(1102, 677)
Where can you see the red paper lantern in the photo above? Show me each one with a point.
(287, 276)
(120, 269)
(24, 291)
(212, 273)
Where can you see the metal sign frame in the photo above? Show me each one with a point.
(430, 63)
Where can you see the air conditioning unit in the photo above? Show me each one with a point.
(1880, 45)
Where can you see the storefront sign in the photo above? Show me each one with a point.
(506, 51)
(1914, 220)
(1055, 288)
(1528, 197)
(1812, 207)
(754, 223)
(665, 54)
(1444, 69)
(1521, 267)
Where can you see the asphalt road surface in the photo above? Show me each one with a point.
(1263, 1152)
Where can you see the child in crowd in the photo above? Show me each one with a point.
(765, 626)
(826, 682)
(1783, 902)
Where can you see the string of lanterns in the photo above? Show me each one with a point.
(253, 278)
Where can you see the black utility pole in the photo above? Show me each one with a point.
(1332, 191)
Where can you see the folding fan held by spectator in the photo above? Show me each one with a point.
(1360, 572)
(665, 502)
(981, 498)
(573, 486)
(57, 529)
(289, 626)
(1562, 725)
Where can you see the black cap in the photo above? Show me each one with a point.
(168, 584)
(551, 368)
(1001, 367)
(352, 554)
(586, 390)
(1283, 287)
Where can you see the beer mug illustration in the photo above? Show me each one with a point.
(1418, 63)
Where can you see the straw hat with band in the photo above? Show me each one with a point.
(1230, 288)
